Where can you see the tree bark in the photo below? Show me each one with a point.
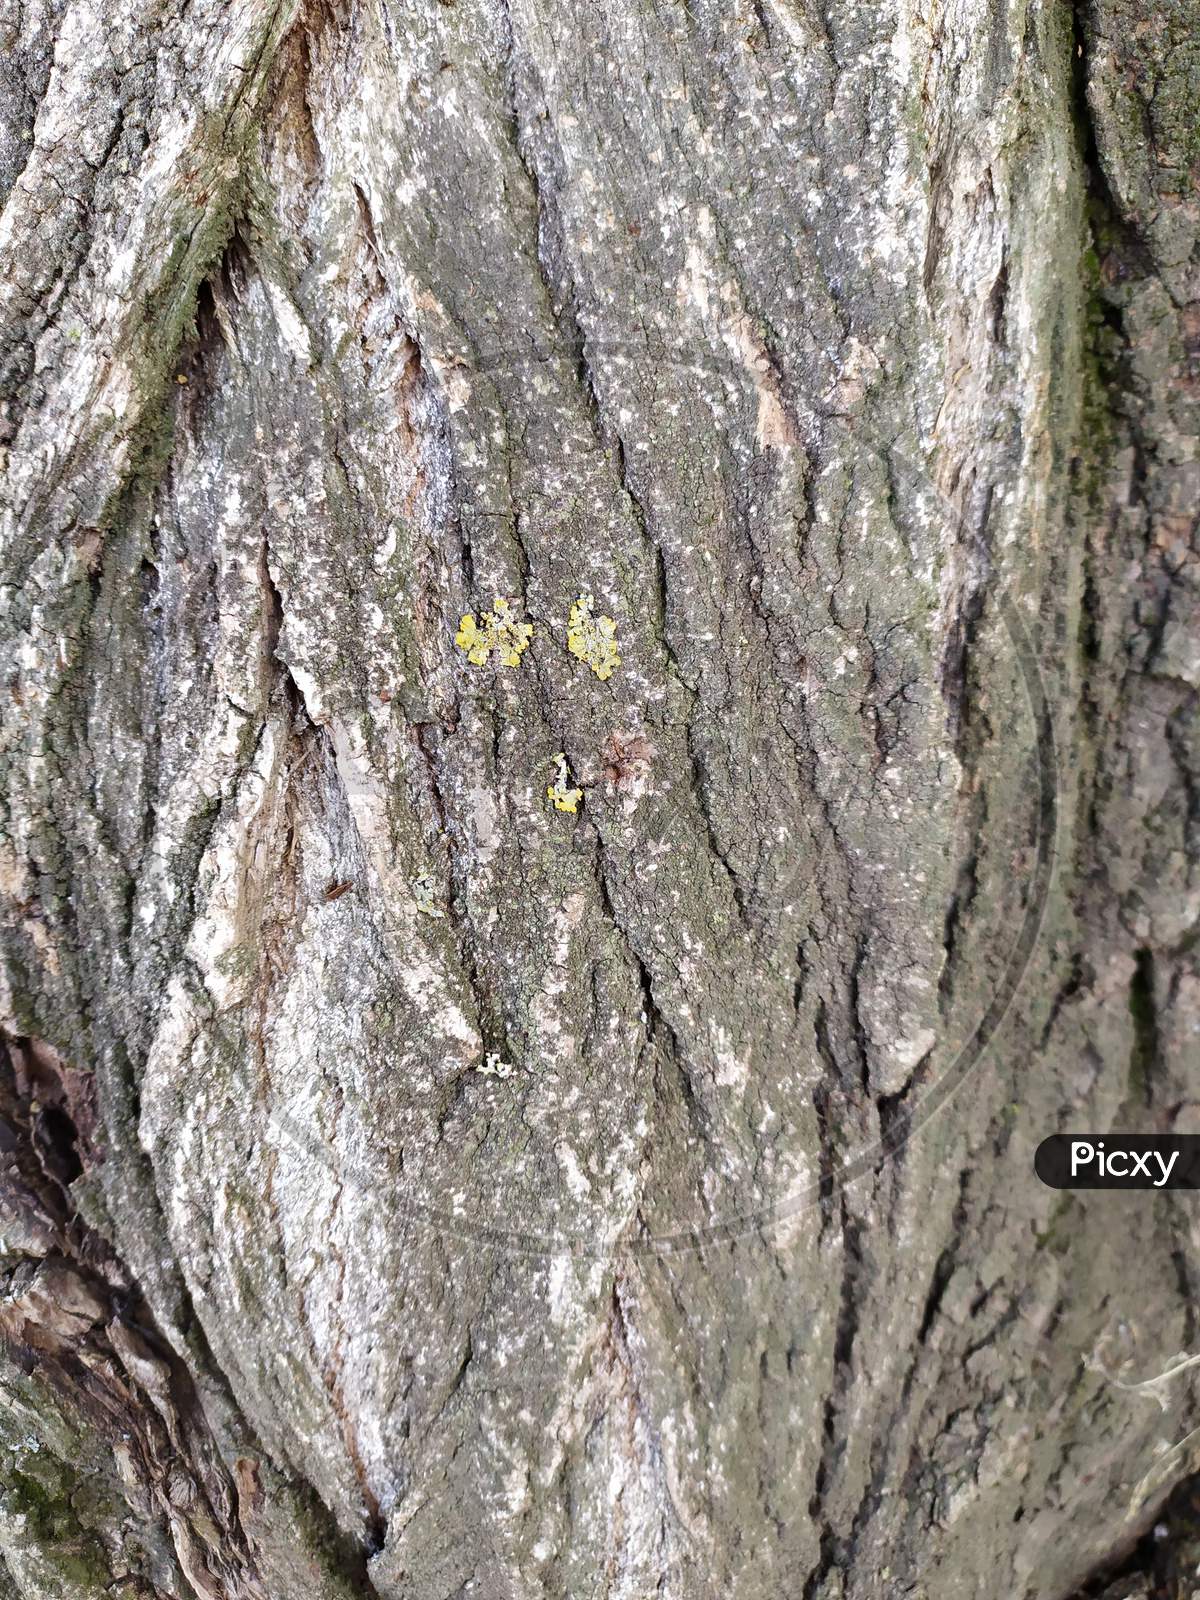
(847, 358)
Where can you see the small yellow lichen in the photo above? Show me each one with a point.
(593, 639)
(496, 630)
(425, 894)
(563, 797)
(493, 1067)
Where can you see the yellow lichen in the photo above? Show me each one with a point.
(496, 630)
(425, 895)
(563, 797)
(593, 639)
(493, 1067)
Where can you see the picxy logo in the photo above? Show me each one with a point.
(1119, 1161)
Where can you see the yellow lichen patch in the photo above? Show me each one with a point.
(493, 1067)
(562, 796)
(425, 894)
(593, 639)
(496, 630)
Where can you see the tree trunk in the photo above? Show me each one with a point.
(479, 1123)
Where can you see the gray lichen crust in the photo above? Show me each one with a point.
(419, 1187)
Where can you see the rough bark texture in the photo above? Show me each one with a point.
(847, 355)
